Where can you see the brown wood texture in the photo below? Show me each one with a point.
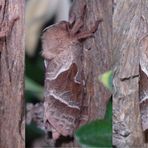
(12, 75)
(97, 56)
(129, 26)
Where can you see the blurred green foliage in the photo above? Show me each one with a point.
(32, 133)
(33, 89)
(35, 68)
(34, 79)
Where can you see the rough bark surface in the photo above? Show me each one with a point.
(129, 25)
(12, 74)
(97, 60)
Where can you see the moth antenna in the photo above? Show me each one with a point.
(86, 34)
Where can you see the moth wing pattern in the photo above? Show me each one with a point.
(60, 49)
(64, 77)
(63, 83)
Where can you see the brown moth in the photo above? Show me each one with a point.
(63, 94)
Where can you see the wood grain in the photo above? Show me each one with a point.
(12, 76)
(127, 31)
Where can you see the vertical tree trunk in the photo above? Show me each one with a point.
(129, 21)
(97, 54)
(12, 74)
(97, 60)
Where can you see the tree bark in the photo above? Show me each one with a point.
(12, 49)
(98, 59)
(97, 54)
(129, 25)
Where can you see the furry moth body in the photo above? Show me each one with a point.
(62, 51)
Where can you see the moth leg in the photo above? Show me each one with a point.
(86, 34)
(7, 27)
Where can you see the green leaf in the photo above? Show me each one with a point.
(33, 87)
(106, 79)
(35, 68)
(32, 133)
(108, 115)
(95, 134)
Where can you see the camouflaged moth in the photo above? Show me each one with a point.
(62, 51)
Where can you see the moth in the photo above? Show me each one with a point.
(64, 82)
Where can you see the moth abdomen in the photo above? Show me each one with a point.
(59, 118)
